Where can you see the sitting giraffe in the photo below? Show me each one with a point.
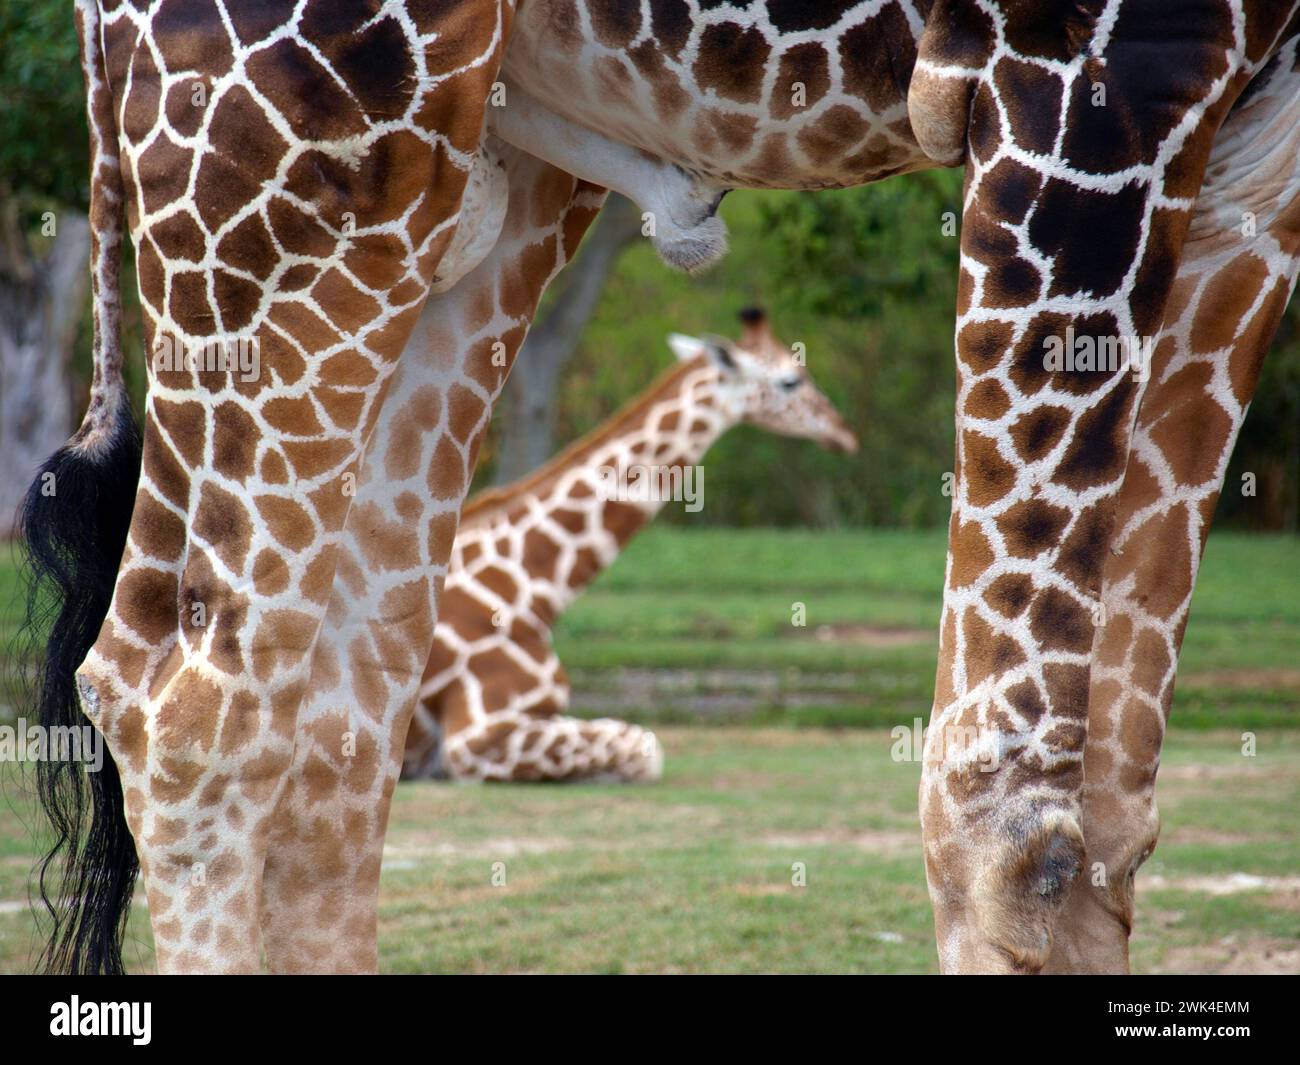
(245, 597)
(494, 694)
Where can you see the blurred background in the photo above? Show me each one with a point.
(777, 732)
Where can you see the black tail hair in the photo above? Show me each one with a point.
(73, 524)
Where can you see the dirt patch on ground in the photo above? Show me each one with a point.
(711, 693)
(1202, 772)
(858, 634)
(764, 890)
(1205, 837)
(1242, 678)
(409, 857)
(1225, 884)
(1229, 957)
(876, 841)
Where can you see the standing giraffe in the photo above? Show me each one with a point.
(1129, 175)
(293, 177)
(492, 702)
(334, 170)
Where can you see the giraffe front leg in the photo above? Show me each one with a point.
(1238, 270)
(319, 910)
(1054, 324)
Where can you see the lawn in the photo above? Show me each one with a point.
(693, 630)
(701, 624)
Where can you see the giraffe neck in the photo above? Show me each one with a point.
(594, 490)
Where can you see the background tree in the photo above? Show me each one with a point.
(44, 235)
(526, 428)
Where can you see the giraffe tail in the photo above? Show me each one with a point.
(72, 526)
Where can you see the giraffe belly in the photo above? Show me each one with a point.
(785, 122)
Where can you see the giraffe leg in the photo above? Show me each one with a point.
(1042, 441)
(523, 747)
(492, 706)
(319, 910)
(530, 738)
(1238, 271)
(284, 252)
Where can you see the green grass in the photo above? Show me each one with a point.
(694, 874)
(725, 600)
(710, 614)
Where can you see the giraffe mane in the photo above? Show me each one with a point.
(491, 501)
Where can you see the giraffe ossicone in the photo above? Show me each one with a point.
(493, 700)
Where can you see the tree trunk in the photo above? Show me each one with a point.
(528, 425)
(41, 304)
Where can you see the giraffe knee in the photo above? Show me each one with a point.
(644, 763)
(938, 108)
(1020, 894)
(999, 893)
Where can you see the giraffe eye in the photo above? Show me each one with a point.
(789, 384)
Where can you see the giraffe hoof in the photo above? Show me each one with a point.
(695, 248)
(1021, 893)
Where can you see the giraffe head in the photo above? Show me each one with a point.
(763, 382)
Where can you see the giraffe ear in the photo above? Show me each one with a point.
(719, 351)
(686, 348)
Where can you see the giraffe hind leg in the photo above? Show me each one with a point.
(1239, 276)
(200, 669)
(319, 909)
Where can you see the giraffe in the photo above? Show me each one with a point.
(293, 178)
(1071, 123)
(1089, 132)
(1226, 302)
(493, 699)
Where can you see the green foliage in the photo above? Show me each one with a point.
(866, 279)
(1269, 445)
(857, 277)
(44, 153)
